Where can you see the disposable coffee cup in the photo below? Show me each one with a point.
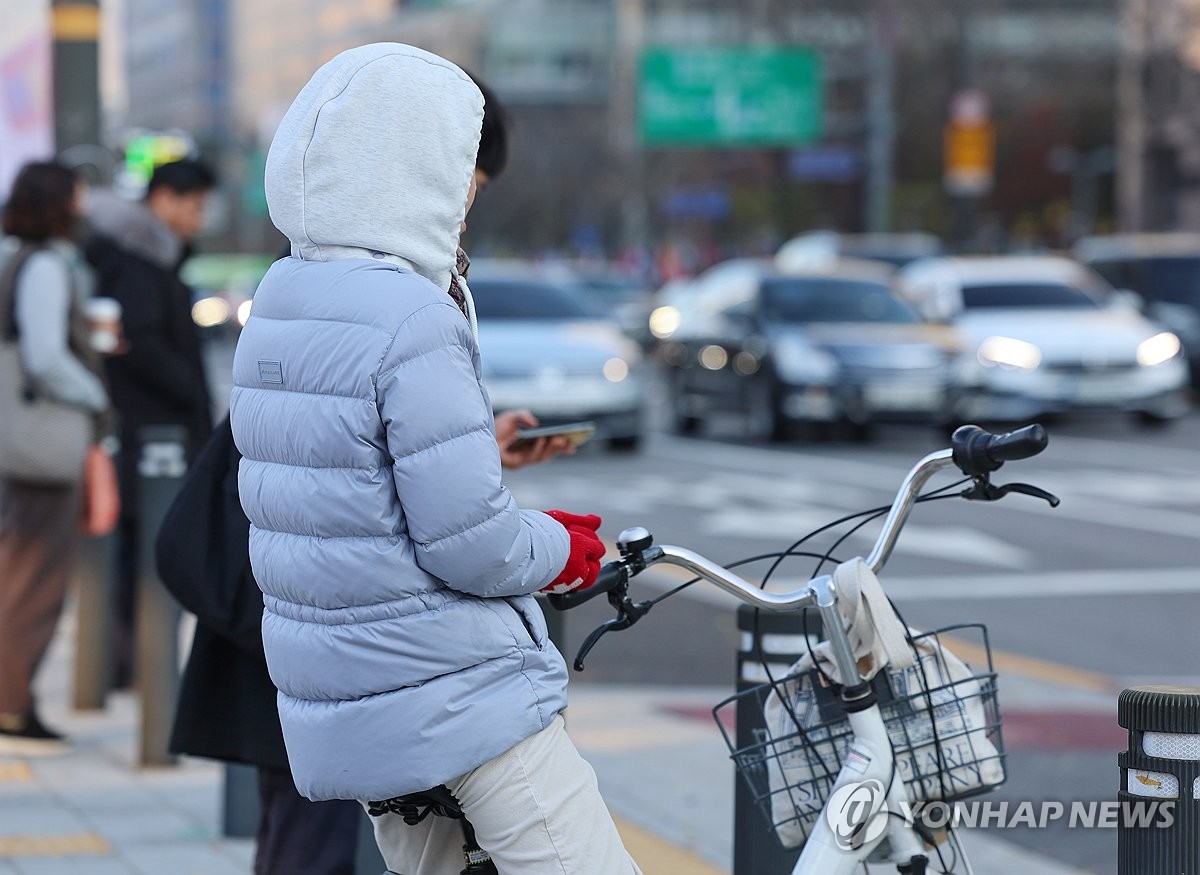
(104, 324)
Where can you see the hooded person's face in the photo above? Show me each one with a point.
(471, 192)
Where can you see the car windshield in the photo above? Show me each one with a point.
(828, 299)
(1056, 296)
(527, 300)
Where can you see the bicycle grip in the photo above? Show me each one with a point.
(611, 576)
(978, 451)
(1020, 444)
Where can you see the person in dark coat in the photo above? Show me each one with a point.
(137, 250)
(226, 709)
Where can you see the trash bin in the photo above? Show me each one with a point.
(1158, 827)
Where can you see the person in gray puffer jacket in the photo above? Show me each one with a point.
(397, 570)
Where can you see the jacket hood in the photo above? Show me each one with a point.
(132, 226)
(375, 158)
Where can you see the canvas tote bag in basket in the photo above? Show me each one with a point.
(968, 759)
(41, 441)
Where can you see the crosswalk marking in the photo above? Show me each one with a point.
(775, 496)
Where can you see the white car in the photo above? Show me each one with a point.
(1051, 336)
(544, 349)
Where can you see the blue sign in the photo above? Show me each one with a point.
(696, 203)
(828, 164)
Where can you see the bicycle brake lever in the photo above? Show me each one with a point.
(984, 490)
(1025, 489)
(597, 633)
(628, 613)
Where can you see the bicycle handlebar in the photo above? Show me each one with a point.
(611, 576)
(975, 452)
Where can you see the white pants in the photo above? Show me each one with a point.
(536, 810)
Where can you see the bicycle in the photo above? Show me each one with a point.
(862, 737)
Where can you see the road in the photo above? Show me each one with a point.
(1080, 600)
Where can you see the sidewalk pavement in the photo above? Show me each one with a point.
(663, 769)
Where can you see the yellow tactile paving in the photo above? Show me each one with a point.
(657, 857)
(53, 845)
(15, 772)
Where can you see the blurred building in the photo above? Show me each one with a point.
(567, 70)
(1159, 115)
(177, 58)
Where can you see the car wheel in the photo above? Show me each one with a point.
(629, 443)
(764, 417)
(1149, 419)
(861, 432)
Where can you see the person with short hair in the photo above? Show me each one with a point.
(46, 285)
(137, 251)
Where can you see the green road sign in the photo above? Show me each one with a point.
(729, 96)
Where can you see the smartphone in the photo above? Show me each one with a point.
(575, 432)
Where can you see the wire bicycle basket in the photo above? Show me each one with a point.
(941, 715)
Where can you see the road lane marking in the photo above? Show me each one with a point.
(1031, 667)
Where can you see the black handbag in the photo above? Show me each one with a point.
(203, 547)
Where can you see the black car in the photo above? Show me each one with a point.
(827, 348)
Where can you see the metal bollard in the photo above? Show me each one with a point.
(93, 624)
(162, 463)
(780, 639)
(239, 802)
(1161, 763)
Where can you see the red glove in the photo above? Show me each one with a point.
(583, 564)
(589, 521)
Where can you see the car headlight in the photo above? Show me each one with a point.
(1160, 348)
(798, 362)
(1008, 352)
(210, 312)
(616, 370)
(664, 322)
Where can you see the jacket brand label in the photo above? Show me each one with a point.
(270, 372)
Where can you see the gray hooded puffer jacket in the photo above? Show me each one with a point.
(396, 569)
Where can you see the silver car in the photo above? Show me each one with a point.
(545, 349)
